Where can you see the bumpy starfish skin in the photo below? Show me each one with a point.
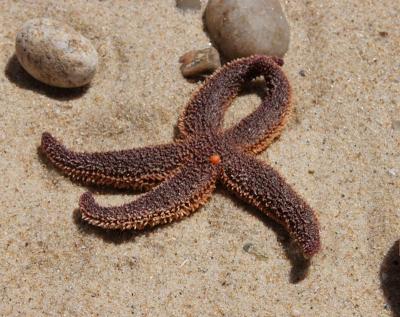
(184, 173)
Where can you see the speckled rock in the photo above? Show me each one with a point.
(55, 53)
(199, 62)
(246, 27)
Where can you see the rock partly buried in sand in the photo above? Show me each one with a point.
(199, 62)
(188, 4)
(246, 27)
(55, 53)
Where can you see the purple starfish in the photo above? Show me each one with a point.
(182, 175)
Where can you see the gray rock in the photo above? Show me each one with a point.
(55, 53)
(199, 62)
(246, 27)
(396, 124)
(188, 4)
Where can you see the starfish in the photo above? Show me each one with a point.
(182, 175)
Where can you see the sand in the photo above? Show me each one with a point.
(340, 150)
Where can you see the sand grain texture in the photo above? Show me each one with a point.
(340, 150)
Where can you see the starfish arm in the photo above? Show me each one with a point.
(173, 199)
(204, 112)
(138, 168)
(261, 186)
(256, 131)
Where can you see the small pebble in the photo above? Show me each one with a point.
(396, 124)
(188, 4)
(248, 246)
(199, 62)
(302, 73)
(243, 28)
(295, 313)
(56, 54)
(392, 172)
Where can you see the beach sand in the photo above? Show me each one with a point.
(340, 151)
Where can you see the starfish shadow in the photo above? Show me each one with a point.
(300, 265)
(17, 75)
(197, 78)
(390, 278)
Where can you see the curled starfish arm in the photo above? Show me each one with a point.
(138, 168)
(256, 131)
(204, 112)
(173, 199)
(261, 186)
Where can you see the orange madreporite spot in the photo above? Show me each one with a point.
(215, 159)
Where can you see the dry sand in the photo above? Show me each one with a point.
(340, 150)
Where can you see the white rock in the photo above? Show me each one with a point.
(246, 27)
(55, 53)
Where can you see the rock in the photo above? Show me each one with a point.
(199, 62)
(188, 4)
(55, 53)
(246, 27)
(396, 124)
